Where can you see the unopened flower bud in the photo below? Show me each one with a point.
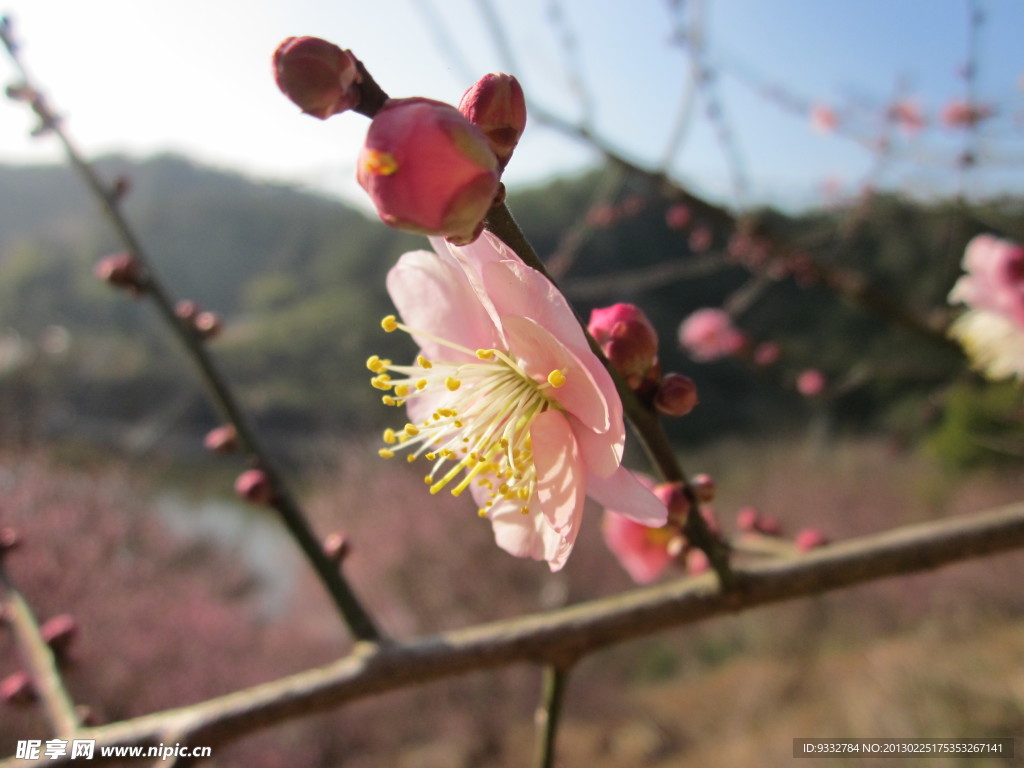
(678, 216)
(59, 632)
(428, 170)
(628, 340)
(337, 546)
(697, 562)
(186, 310)
(676, 395)
(222, 439)
(207, 324)
(767, 353)
(17, 688)
(675, 500)
(9, 540)
(253, 485)
(121, 270)
(318, 76)
(747, 519)
(495, 104)
(810, 383)
(703, 487)
(810, 538)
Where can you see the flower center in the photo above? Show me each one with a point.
(480, 426)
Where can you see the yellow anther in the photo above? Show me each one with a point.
(389, 400)
(481, 513)
(556, 378)
(389, 323)
(411, 430)
(421, 384)
(382, 382)
(375, 364)
(431, 457)
(485, 354)
(411, 458)
(452, 383)
(428, 479)
(390, 437)
(402, 390)
(525, 510)
(423, 362)
(379, 163)
(386, 454)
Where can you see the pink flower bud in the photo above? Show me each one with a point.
(676, 395)
(59, 632)
(747, 519)
(207, 324)
(962, 114)
(17, 688)
(253, 485)
(703, 487)
(708, 334)
(700, 239)
(9, 540)
(823, 119)
(317, 75)
(767, 353)
(337, 546)
(121, 270)
(810, 383)
(428, 169)
(186, 310)
(697, 562)
(627, 339)
(495, 104)
(222, 439)
(678, 216)
(810, 538)
(675, 500)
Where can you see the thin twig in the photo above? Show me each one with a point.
(549, 711)
(571, 632)
(38, 659)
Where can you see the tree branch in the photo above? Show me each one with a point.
(571, 632)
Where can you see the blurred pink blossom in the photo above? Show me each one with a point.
(810, 382)
(709, 334)
(644, 552)
(506, 398)
(963, 114)
(907, 115)
(678, 216)
(823, 119)
(992, 329)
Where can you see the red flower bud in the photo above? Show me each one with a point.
(223, 439)
(59, 632)
(17, 688)
(810, 538)
(428, 169)
(317, 75)
(627, 339)
(121, 270)
(495, 104)
(253, 485)
(676, 395)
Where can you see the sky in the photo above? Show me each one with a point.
(193, 76)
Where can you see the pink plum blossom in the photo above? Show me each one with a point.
(644, 552)
(992, 328)
(506, 398)
(963, 114)
(823, 119)
(709, 334)
(428, 169)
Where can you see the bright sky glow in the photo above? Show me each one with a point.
(193, 76)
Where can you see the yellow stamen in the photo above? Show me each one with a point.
(389, 323)
(423, 362)
(452, 383)
(386, 454)
(556, 378)
(390, 437)
(379, 163)
(485, 354)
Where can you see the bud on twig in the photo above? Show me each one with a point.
(121, 270)
(428, 170)
(337, 547)
(222, 439)
(317, 75)
(676, 395)
(253, 485)
(496, 105)
(60, 632)
(628, 340)
(18, 689)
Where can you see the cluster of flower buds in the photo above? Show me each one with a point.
(428, 167)
(202, 322)
(629, 341)
(752, 522)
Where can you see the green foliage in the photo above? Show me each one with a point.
(981, 424)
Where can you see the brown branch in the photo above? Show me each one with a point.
(38, 658)
(558, 637)
(282, 501)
